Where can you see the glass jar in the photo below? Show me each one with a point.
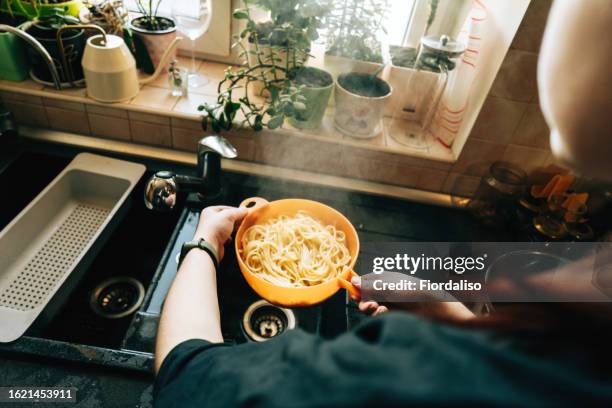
(495, 202)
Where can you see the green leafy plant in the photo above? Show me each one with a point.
(352, 29)
(54, 18)
(150, 17)
(16, 7)
(273, 52)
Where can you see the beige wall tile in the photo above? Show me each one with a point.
(537, 12)
(432, 180)
(195, 124)
(21, 97)
(68, 120)
(532, 130)
(72, 92)
(110, 127)
(150, 133)
(149, 118)
(107, 111)
(516, 79)
(477, 156)
(28, 114)
(155, 98)
(528, 38)
(529, 34)
(27, 84)
(62, 104)
(527, 158)
(385, 172)
(299, 153)
(498, 120)
(187, 139)
(460, 184)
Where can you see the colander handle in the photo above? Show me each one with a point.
(254, 203)
(345, 282)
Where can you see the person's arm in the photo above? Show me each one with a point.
(191, 309)
(574, 79)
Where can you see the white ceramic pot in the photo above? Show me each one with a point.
(359, 116)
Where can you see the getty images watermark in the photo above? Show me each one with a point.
(486, 271)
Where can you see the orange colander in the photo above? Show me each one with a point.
(260, 211)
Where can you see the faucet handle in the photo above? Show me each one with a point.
(217, 144)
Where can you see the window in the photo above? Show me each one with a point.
(397, 21)
(217, 40)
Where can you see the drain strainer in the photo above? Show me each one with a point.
(117, 297)
(262, 321)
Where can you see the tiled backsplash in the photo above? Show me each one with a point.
(510, 127)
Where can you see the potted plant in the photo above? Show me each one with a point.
(110, 15)
(40, 7)
(44, 28)
(360, 104)
(352, 28)
(290, 90)
(153, 31)
(284, 39)
(13, 61)
(316, 87)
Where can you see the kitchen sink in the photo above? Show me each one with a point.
(98, 323)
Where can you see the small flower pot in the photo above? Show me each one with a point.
(318, 88)
(155, 41)
(74, 45)
(360, 104)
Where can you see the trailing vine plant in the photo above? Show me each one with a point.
(273, 51)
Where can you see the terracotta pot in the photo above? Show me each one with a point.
(156, 42)
(357, 115)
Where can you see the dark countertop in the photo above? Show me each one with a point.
(376, 218)
(96, 386)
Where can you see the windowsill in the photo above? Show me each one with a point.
(156, 99)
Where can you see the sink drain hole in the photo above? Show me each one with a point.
(117, 297)
(262, 321)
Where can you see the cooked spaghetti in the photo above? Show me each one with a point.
(295, 251)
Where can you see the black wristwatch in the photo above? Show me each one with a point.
(204, 246)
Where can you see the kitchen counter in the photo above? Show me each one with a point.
(96, 386)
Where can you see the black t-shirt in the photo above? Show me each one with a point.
(393, 360)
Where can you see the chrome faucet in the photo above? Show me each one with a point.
(161, 189)
(38, 47)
